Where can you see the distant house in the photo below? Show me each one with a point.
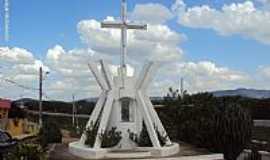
(5, 106)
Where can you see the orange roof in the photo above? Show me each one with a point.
(5, 104)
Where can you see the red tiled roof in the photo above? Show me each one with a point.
(5, 104)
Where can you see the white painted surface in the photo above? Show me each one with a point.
(201, 157)
(141, 108)
(77, 149)
(109, 107)
(261, 123)
(265, 155)
(114, 89)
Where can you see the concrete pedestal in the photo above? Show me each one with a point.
(85, 152)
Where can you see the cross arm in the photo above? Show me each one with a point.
(123, 25)
(137, 26)
(111, 25)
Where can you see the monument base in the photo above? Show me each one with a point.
(85, 152)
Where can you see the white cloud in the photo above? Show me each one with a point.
(142, 45)
(18, 61)
(153, 13)
(15, 55)
(237, 18)
(69, 72)
(20, 66)
(264, 72)
(202, 76)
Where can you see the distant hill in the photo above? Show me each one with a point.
(249, 93)
(84, 106)
(94, 99)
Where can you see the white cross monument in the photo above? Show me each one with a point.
(123, 104)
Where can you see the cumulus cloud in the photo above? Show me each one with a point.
(264, 72)
(69, 73)
(159, 42)
(200, 76)
(20, 66)
(206, 75)
(153, 13)
(15, 55)
(237, 18)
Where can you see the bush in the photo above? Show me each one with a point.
(110, 138)
(91, 134)
(50, 133)
(218, 124)
(225, 129)
(232, 131)
(27, 152)
(143, 139)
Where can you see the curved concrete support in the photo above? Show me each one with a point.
(107, 74)
(96, 112)
(104, 118)
(146, 75)
(148, 121)
(156, 119)
(100, 80)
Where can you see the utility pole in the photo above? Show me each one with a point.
(73, 110)
(40, 96)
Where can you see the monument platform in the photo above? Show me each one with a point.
(83, 151)
(188, 152)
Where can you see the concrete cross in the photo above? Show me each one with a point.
(124, 25)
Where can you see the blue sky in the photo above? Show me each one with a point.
(38, 26)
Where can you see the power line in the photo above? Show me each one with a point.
(18, 84)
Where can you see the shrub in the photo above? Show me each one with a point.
(232, 131)
(27, 152)
(224, 129)
(91, 133)
(110, 138)
(143, 139)
(50, 133)
(218, 124)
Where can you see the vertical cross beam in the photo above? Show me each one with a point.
(124, 25)
(124, 33)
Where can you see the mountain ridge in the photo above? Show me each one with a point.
(244, 92)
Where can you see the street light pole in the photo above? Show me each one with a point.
(40, 96)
